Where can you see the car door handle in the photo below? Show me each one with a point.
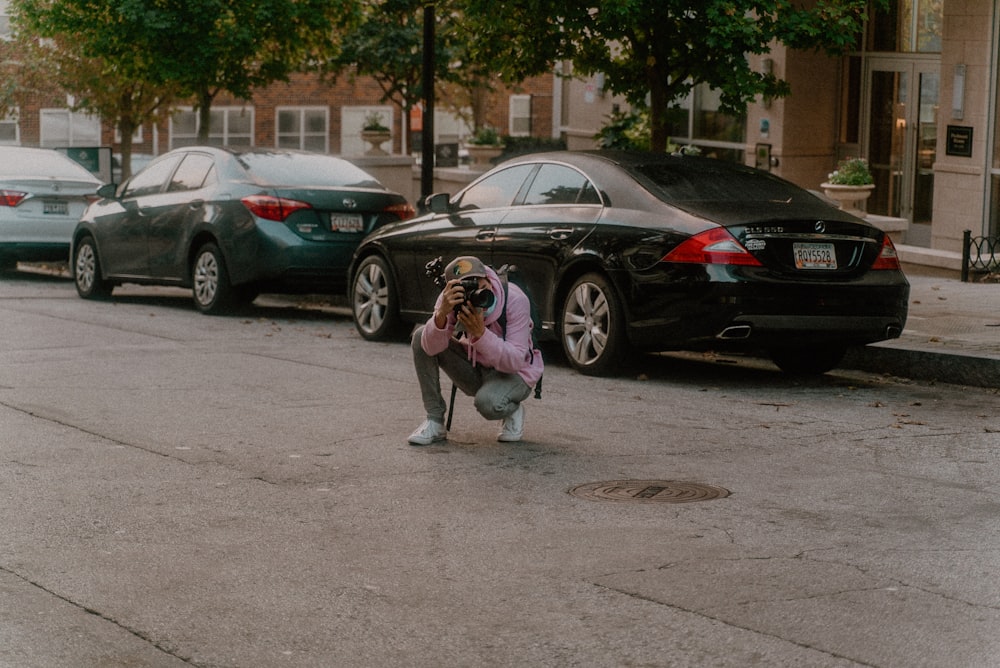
(486, 235)
(196, 203)
(145, 210)
(560, 233)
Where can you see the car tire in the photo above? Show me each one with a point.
(593, 327)
(213, 293)
(374, 302)
(807, 361)
(87, 271)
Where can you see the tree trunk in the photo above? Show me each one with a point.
(659, 103)
(126, 126)
(204, 116)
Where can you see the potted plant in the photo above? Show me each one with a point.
(375, 133)
(850, 185)
(484, 145)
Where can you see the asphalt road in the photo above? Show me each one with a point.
(185, 490)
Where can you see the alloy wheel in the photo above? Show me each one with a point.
(371, 298)
(86, 268)
(586, 322)
(206, 278)
(593, 326)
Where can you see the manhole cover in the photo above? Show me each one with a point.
(648, 491)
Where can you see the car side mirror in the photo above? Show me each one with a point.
(438, 203)
(108, 190)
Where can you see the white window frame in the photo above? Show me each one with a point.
(81, 129)
(5, 32)
(302, 132)
(519, 109)
(12, 118)
(217, 136)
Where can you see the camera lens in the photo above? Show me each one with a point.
(482, 298)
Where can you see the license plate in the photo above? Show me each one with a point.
(346, 222)
(814, 256)
(55, 208)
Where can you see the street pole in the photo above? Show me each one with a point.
(427, 147)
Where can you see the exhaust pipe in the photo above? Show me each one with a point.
(893, 331)
(734, 332)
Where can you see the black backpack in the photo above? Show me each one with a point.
(505, 273)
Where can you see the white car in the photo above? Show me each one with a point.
(42, 196)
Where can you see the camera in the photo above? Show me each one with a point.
(474, 295)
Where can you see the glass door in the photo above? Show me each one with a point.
(901, 102)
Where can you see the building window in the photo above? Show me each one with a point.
(228, 126)
(10, 129)
(5, 33)
(908, 26)
(520, 116)
(62, 127)
(303, 128)
(698, 121)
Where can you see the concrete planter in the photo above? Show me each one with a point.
(481, 154)
(376, 138)
(849, 198)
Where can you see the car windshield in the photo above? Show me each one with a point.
(305, 169)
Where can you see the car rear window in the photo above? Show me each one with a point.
(303, 169)
(689, 180)
(42, 163)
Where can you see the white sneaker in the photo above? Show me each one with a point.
(512, 427)
(428, 432)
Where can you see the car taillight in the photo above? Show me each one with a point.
(887, 258)
(273, 208)
(403, 211)
(714, 246)
(11, 197)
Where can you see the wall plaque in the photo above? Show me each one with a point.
(959, 141)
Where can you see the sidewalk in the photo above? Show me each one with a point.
(952, 333)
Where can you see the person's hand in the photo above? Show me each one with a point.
(473, 321)
(452, 295)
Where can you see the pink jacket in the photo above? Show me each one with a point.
(511, 355)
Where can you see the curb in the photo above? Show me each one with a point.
(918, 364)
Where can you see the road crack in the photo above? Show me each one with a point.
(100, 615)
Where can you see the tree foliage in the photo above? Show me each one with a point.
(191, 48)
(388, 46)
(656, 51)
(89, 59)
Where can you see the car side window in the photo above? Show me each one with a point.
(151, 180)
(496, 190)
(193, 172)
(558, 184)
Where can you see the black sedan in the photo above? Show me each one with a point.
(638, 251)
(230, 225)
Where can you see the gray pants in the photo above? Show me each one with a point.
(497, 394)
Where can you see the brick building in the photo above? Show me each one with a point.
(304, 113)
(919, 99)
